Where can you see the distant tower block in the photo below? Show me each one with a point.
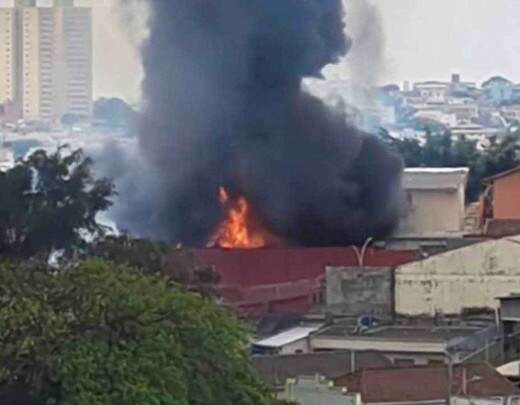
(46, 54)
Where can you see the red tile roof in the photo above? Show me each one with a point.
(429, 383)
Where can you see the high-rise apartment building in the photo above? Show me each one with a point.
(50, 58)
(8, 54)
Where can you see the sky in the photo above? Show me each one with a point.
(418, 40)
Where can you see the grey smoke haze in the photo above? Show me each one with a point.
(224, 106)
(365, 61)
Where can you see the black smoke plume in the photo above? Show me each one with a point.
(224, 106)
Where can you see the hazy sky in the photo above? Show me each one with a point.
(424, 39)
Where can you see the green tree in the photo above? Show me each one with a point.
(179, 264)
(50, 202)
(103, 334)
(114, 111)
(440, 150)
(500, 155)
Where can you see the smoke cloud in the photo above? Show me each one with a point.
(224, 106)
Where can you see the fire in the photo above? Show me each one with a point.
(239, 229)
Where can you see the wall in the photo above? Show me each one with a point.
(507, 197)
(261, 281)
(433, 212)
(307, 391)
(300, 346)
(356, 291)
(471, 277)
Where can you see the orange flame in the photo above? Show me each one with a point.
(237, 231)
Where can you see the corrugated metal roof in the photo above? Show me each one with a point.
(289, 336)
(435, 178)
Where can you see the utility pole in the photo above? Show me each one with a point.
(450, 375)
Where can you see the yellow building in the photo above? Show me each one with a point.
(50, 58)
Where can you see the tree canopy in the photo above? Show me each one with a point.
(50, 201)
(441, 150)
(98, 333)
(114, 111)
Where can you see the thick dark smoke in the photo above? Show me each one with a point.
(224, 106)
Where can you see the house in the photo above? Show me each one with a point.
(431, 385)
(432, 91)
(435, 202)
(292, 341)
(451, 282)
(317, 390)
(511, 112)
(475, 132)
(275, 370)
(498, 90)
(411, 345)
(500, 208)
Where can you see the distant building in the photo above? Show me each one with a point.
(511, 112)
(8, 53)
(432, 91)
(435, 202)
(462, 385)
(498, 90)
(475, 132)
(48, 54)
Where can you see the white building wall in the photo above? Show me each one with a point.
(77, 48)
(471, 277)
(433, 212)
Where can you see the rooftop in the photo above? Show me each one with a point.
(275, 370)
(427, 383)
(287, 337)
(435, 178)
(401, 333)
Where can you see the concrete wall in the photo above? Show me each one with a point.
(433, 212)
(507, 197)
(359, 291)
(471, 277)
(300, 346)
(307, 391)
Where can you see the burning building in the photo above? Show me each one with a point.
(233, 153)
